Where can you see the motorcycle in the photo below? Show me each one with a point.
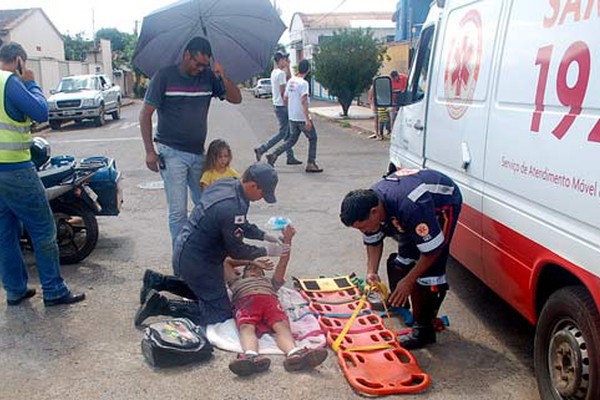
(77, 191)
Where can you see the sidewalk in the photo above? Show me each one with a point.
(359, 118)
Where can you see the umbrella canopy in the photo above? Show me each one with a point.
(242, 33)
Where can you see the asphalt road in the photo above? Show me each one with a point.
(92, 350)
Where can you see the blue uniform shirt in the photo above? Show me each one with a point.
(216, 229)
(413, 201)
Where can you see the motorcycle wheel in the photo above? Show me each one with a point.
(76, 231)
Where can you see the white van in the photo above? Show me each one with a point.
(504, 97)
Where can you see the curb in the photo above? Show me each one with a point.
(357, 128)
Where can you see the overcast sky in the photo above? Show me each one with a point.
(74, 16)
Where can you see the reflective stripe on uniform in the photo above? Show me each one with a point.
(404, 260)
(19, 129)
(373, 238)
(15, 146)
(432, 280)
(15, 136)
(431, 244)
(431, 188)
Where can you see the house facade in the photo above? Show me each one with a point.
(45, 48)
(307, 30)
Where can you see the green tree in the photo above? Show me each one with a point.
(76, 47)
(347, 63)
(122, 45)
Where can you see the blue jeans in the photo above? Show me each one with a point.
(295, 128)
(182, 170)
(23, 200)
(281, 112)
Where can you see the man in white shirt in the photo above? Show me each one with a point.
(279, 77)
(296, 97)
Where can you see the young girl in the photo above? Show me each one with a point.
(216, 165)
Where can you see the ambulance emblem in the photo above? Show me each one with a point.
(422, 230)
(462, 64)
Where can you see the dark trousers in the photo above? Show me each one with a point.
(281, 112)
(425, 300)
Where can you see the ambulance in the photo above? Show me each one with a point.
(504, 97)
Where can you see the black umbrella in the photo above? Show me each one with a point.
(243, 35)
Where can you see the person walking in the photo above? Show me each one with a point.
(419, 209)
(216, 229)
(22, 195)
(279, 77)
(297, 98)
(181, 94)
(399, 82)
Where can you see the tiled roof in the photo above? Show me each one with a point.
(9, 17)
(340, 20)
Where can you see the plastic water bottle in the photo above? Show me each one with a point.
(278, 223)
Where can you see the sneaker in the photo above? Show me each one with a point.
(313, 167)
(257, 154)
(152, 306)
(271, 158)
(419, 337)
(293, 161)
(245, 365)
(304, 359)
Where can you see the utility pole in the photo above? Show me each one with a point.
(93, 25)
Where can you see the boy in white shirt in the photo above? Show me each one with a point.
(296, 96)
(279, 77)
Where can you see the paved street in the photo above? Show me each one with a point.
(92, 350)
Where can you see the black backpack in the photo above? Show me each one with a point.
(175, 342)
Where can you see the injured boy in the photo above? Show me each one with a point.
(258, 311)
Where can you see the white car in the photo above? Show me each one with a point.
(262, 88)
(82, 97)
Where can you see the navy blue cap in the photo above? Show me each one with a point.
(265, 176)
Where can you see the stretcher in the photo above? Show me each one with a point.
(337, 297)
(369, 354)
(325, 284)
(363, 341)
(342, 309)
(383, 372)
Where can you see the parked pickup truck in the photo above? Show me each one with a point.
(82, 97)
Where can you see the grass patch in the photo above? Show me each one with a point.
(345, 124)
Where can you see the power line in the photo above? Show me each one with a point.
(330, 12)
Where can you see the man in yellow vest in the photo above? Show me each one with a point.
(22, 196)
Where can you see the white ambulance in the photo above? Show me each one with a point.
(504, 97)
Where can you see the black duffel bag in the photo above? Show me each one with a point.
(175, 342)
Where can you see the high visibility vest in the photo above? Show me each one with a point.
(15, 136)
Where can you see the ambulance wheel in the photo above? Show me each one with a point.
(55, 124)
(567, 346)
(76, 231)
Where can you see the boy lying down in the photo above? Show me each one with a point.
(258, 311)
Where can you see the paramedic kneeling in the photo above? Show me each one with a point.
(419, 209)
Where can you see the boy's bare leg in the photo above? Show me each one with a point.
(283, 336)
(248, 338)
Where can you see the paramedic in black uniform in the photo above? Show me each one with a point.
(216, 229)
(419, 209)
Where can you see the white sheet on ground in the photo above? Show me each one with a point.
(305, 328)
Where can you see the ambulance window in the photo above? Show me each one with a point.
(418, 76)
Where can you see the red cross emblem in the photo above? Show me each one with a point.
(462, 64)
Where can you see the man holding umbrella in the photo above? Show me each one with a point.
(181, 94)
